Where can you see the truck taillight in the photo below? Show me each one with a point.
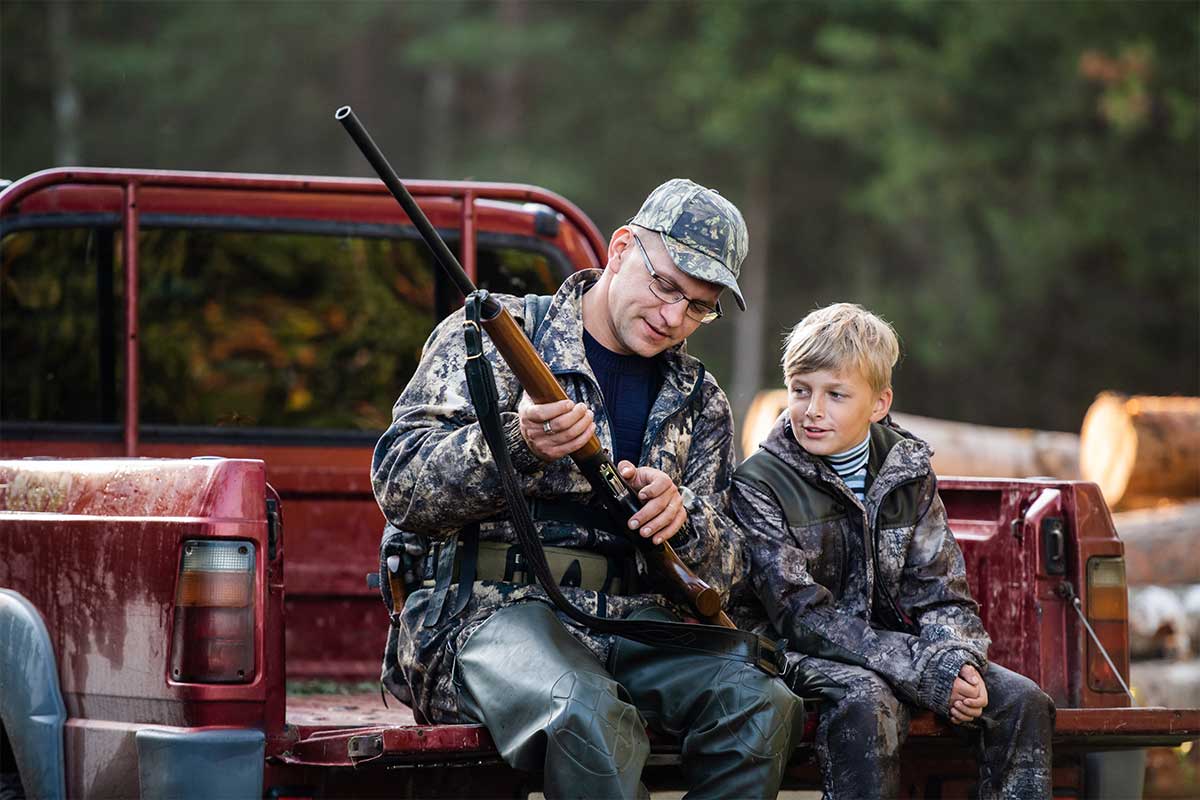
(213, 639)
(1108, 614)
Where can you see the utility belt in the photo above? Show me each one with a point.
(501, 561)
(597, 563)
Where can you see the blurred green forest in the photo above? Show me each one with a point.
(1016, 186)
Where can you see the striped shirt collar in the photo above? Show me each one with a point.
(852, 460)
(851, 466)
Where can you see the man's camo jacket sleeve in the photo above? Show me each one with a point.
(803, 611)
(710, 543)
(933, 592)
(432, 471)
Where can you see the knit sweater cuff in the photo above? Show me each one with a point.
(523, 459)
(938, 680)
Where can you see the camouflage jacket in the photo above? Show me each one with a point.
(880, 584)
(433, 474)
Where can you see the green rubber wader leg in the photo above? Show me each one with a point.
(549, 705)
(735, 722)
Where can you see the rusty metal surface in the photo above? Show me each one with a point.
(168, 191)
(130, 251)
(1024, 608)
(355, 728)
(346, 729)
(95, 546)
(1126, 727)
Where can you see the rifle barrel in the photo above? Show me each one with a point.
(391, 180)
(543, 387)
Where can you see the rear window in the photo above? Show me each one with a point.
(275, 330)
(60, 328)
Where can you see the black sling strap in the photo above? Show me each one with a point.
(715, 640)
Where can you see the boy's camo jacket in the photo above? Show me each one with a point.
(432, 474)
(894, 600)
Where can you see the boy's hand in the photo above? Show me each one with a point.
(968, 696)
(554, 430)
(662, 513)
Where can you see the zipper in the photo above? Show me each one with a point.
(877, 584)
(652, 433)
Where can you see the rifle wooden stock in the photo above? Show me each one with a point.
(542, 387)
(675, 579)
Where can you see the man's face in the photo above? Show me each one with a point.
(831, 411)
(639, 321)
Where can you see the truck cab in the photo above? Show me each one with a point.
(194, 369)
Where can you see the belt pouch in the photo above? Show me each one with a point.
(445, 574)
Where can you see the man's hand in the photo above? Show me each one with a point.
(968, 696)
(662, 513)
(554, 430)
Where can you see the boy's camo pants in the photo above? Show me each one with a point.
(859, 737)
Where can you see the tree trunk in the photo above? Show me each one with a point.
(749, 326)
(506, 93)
(440, 133)
(1160, 544)
(66, 95)
(959, 448)
(1139, 449)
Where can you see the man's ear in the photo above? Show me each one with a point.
(883, 404)
(622, 239)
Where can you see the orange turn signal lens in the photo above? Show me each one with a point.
(215, 589)
(1108, 598)
(1108, 613)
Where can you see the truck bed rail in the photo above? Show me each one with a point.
(354, 729)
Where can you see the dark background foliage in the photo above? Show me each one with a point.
(1013, 185)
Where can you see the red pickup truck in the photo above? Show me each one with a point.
(187, 359)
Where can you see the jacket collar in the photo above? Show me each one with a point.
(897, 456)
(560, 341)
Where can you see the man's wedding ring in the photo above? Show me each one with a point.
(546, 428)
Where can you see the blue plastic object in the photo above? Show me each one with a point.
(31, 703)
(201, 765)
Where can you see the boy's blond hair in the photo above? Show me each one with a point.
(840, 336)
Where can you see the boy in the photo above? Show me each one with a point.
(851, 560)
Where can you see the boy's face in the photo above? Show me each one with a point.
(832, 411)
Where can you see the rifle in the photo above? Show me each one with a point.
(675, 579)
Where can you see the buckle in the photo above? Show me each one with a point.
(474, 345)
(771, 659)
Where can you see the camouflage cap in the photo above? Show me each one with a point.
(704, 233)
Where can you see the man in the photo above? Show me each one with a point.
(555, 696)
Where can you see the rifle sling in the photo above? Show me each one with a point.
(714, 640)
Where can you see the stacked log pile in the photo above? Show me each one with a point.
(1144, 453)
(1142, 450)
(959, 448)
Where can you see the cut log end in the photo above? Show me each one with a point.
(1136, 448)
(1108, 445)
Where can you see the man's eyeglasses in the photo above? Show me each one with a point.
(669, 293)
